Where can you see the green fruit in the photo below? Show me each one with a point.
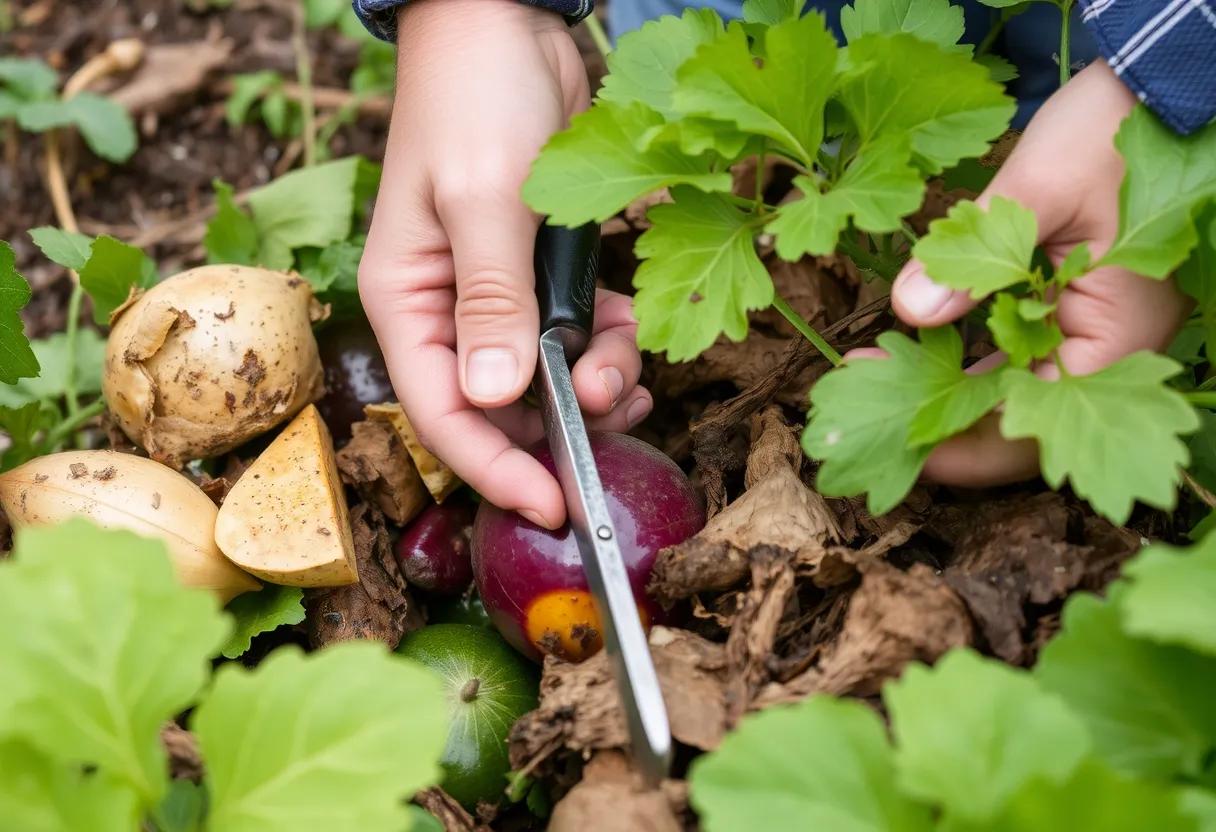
(489, 686)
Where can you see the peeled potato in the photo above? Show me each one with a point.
(285, 520)
(211, 358)
(121, 491)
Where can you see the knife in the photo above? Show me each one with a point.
(566, 261)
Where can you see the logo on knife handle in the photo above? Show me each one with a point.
(583, 293)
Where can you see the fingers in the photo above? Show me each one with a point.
(608, 371)
(980, 457)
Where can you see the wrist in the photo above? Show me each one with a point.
(421, 18)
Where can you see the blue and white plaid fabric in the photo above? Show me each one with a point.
(380, 16)
(1165, 50)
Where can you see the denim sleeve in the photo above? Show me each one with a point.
(1163, 50)
(380, 16)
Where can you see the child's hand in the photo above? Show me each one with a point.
(447, 277)
(1065, 169)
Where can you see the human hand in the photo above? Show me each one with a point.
(1065, 168)
(446, 277)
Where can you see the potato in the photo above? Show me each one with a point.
(439, 479)
(285, 520)
(121, 491)
(211, 358)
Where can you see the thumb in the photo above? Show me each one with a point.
(921, 302)
(497, 320)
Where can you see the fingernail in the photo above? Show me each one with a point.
(638, 411)
(614, 383)
(921, 296)
(491, 372)
(534, 518)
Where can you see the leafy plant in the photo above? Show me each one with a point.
(1111, 731)
(91, 678)
(862, 127)
(262, 92)
(28, 96)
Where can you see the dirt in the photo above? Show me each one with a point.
(782, 595)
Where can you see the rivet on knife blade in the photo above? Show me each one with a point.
(603, 533)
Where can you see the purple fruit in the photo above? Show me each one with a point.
(531, 580)
(355, 374)
(433, 551)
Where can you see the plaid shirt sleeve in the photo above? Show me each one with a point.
(1164, 50)
(380, 16)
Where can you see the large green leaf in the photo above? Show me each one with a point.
(39, 794)
(1172, 596)
(980, 251)
(936, 21)
(16, 358)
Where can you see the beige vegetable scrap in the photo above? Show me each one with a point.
(121, 491)
(285, 520)
(211, 358)
(440, 480)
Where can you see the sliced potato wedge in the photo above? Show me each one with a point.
(121, 491)
(439, 479)
(285, 520)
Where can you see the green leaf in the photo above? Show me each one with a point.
(783, 99)
(1114, 434)
(772, 12)
(23, 425)
(1172, 596)
(594, 169)
(113, 270)
(232, 236)
(999, 69)
(700, 276)
(319, 13)
(1023, 338)
(899, 84)
(1168, 177)
(336, 268)
(52, 355)
(337, 740)
(876, 191)
(275, 112)
(309, 207)
(91, 677)
(864, 414)
(106, 127)
(261, 612)
(1094, 798)
(423, 821)
(182, 809)
(1200, 804)
(246, 90)
(28, 78)
(935, 21)
(980, 251)
(642, 67)
(1147, 705)
(1075, 264)
(821, 764)
(971, 732)
(1197, 276)
(38, 794)
(16, 358)
(67, 248)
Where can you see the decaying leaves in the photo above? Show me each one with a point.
(375, 464)
(378, 607)
(580, 709)
(440, 480)
(611, 797)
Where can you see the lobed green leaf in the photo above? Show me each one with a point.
(114, 270)
(980, 251)
(1172, 596)
(937, 21)
(260, 612)
(17, 359)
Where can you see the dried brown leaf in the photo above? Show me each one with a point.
(375, 464)
(170, 73)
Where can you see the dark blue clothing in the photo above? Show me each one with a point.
(1164, 50)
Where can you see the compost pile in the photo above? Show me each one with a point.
(782, 595)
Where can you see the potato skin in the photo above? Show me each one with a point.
(123, 491)
(210, 358)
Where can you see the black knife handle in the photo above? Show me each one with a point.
(566, 263)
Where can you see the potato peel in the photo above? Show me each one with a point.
(439, 479)
(286, 520)
(121, 491)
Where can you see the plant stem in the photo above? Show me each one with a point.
(866, 259)
(69, 360)
(73, 423)
(799, 323)
(909, 232)
(1065, 41)
(299, 44)
(990, 39)
(598, 34)
(760, 177)
(1201, 398)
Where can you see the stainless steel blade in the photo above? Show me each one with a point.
(624, 637)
